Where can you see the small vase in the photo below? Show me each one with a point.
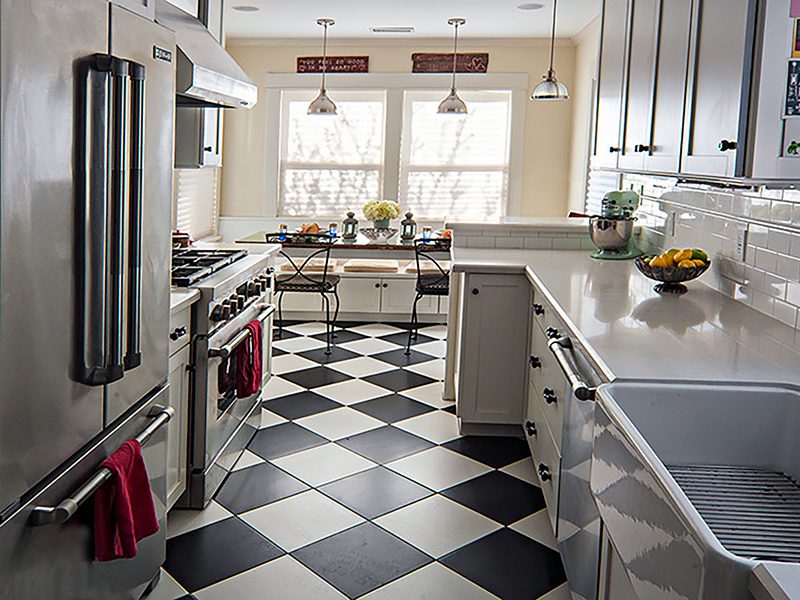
(382, 224)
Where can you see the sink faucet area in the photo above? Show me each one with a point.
(697, 483)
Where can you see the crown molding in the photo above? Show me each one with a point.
(375, 41)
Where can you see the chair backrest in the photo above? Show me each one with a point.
(423, 251)
(299, 263)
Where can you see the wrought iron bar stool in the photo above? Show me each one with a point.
(432, 280)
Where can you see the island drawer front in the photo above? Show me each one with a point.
(549, 385)
(546, 457)
(179, 329)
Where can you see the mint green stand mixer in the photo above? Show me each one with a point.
(612, 230)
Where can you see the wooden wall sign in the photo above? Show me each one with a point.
(335, 64)
(467, 62)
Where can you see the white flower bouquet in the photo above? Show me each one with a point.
(381, 211)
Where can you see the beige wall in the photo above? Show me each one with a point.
(548, 126)
(585, 72)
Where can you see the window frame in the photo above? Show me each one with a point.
(394, 85)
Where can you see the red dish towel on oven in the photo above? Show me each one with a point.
(123, 506)
(249, 361)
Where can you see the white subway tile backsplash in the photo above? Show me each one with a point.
(788, 267)
(786, 313)
(568, 243)
(780, 241)
(766, 260)
(480, 242)
(510, 242)
(793, 293)
(758, 235)
(760, 208)
(781, 212)
(539, 243)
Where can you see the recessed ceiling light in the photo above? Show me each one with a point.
(391, 29)
(246, 8)
(530, 6)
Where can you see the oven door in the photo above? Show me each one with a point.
(225, 411)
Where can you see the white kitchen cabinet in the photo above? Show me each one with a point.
(713, 124)
(609, 85)
(492, 378)
(300, 301)
(177, 433)
(397, 296)
(360, 294)
(146, 8)
(198, 137)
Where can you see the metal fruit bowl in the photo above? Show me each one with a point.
(379, 236)
(671, 278)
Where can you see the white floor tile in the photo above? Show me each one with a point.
(537, 526)
(369, 346)
(283, 577)
(286, 363)
(269, 418)
(301, 520)
(437, 426)
(436, 331)
(167, 588)
(376, 329)
(277, 387)
(323, 464)
(433, 582)
(298, 344)
(438, 468)
(433, 368)
(560, 593)
(436, 348)
(180, 521)
(247, 459)
(437, 525)
(339, 423)
(311, 328)
(523, 469)
(430, 394)
(363, 366)
(351, 391)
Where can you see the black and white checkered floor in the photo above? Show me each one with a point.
(358, 485)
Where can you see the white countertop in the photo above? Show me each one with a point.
(180, 298)
(508, 224)
(632, 332)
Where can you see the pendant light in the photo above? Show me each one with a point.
(551, 88)
(453, 105)
(322, 105)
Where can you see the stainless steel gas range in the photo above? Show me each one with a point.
(236, 288)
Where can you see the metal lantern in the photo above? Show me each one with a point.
(350, 227)
(408, 231)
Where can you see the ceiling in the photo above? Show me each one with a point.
(485, 18)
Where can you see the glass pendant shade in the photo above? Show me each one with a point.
(322, 104)
(550, 88)
(453, 105)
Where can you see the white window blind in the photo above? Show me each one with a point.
(196, 200)
(331, 164)
(455, 165)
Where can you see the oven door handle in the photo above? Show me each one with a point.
(226, 350)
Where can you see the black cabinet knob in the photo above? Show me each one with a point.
(207, 149)
(538, 310)
(177, 333)
(535, 362)
(386, 285)
(641, 148)
(530, 428)
(552, 333)
(544, 472)
(377, 286)
(549, 396)
(614, 149)
(726, 145)
(475, 291)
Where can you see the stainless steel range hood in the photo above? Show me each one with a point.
(206, 75)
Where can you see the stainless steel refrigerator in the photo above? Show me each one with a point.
(86, 119)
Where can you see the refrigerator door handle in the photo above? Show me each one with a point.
(133, 355)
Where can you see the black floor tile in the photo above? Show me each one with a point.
(361, 559)
(385, 444)
(215, 552)
(302, 404)
(284, 335)
(494, 451)
(402, 338)
(256, 486)
(283, 439)
(399, 358)
(451, 409)
(499, 496)
(508, 564)
(399, 380)
(392, 408)
(278, 352)
(315, 377)
(342, 336)
(336, 355)
(375, 492)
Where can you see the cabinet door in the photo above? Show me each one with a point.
(299, 302)
(719, 78)
(609, 84)
(614, 581)
(397, 296)
(146, 8)
(638, 88)
(494, 358)
(669, 90)
(360, 294)
(211, 150)
(177, 439)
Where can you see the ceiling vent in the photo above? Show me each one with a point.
(404, 30)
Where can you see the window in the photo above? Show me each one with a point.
(455, 165)
(196, 198)
(329, 165)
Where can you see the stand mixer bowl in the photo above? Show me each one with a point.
(611, 234)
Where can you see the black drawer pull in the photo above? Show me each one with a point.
(552, 332)
(544, 472)
(538, 310)
(614, 149)
(535, 362)
(726, 145)
(549, 396)
(641, 148)
(530, 428)
(177, 333)
(475, 291)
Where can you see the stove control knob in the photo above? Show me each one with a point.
(232, 307)
(258, 288)
(240, 301)
(224, 311)
(216, 314)
(251, 289)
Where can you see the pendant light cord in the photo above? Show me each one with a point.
(455, 57)
(553, 36)
(324, 54)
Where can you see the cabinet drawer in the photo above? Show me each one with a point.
(546, 458)
(547, 384)
(180, 325)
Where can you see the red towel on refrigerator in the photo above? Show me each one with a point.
(124, 512)
(249, 361)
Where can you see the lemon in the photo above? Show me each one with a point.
(698, 263)
(686, 264)
(683, 255)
